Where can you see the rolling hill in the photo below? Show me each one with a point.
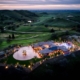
(12, 16)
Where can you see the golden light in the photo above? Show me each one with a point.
(29, 66)
(6, 67)
(47, 46)
(57, 54)
(24, 65)
(43, 60)
(40, 62)
(15, 66)
(31, 69)
(17, 63)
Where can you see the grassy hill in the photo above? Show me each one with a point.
(58, 22)
(13, 16)
(59, 18)
(26, 13)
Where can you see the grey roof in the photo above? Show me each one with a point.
(63, 48)
(53, 48)
(45, 51)
(35, 45)
(67, 45)
(50, 43)
(41, 43)
(48, 50)
(2, 53)
(43, 46)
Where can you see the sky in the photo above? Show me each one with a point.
(40, 4)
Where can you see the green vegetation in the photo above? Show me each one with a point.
(25, 39)
(59, 22)
(11, 60)
(16, 15)
(52, 25)
(33, 29)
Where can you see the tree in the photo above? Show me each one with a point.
(1, 41)
(78, 28)
(1, 29)
(52, 30)
(13, 37)
(46, 25)
(9, 39)
(66, 33)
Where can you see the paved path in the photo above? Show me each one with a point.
(28, 51)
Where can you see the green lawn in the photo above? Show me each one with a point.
(25, 41)
(32, 29)
(11, 60)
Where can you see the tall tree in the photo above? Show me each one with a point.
(13, 37)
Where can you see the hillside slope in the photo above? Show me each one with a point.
(12, 16)
(59, 67)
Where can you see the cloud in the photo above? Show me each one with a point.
(39, 4)
(28, 7)
(39, 1)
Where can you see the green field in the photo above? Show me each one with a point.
(16, 21)
(32, 29)
(26, 39)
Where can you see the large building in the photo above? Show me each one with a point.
(51, 48)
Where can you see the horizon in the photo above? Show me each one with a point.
(45, 9)
(40, 4)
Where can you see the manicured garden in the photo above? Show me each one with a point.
(11, 60)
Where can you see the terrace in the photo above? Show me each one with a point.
(34, 55)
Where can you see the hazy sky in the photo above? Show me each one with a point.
(40, 4)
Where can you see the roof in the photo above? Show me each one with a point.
(48, 50)
(50, 43)
(45, 51)
(67, 45)
(63, 48)
(2, 53)
(53, 48)
(35, 45)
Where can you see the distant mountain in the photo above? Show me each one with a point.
(55, 11)
(26, 13)
(7, 16)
